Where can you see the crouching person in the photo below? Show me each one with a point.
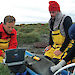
(8, 36)
(59, 42)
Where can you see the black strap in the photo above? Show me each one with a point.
(61, 21)
(56, 34)
(0, 35)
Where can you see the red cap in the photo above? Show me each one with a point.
(54, 6)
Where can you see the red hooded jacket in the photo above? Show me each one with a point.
(12, 44)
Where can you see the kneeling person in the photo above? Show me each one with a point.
(71, 53)
(8, 36)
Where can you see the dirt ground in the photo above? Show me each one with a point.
(37, 47)
(32, 49)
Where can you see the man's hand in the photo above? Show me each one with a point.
(47, 48)
(57, 52)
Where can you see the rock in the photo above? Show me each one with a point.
(40, 44)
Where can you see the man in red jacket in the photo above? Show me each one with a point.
(8, 36)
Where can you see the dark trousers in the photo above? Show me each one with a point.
(70, 55)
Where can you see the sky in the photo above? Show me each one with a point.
(33, 11)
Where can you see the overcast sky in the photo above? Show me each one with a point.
(33, 10)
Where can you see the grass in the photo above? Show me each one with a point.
(28, 37)
(31, 33)
(4, 70)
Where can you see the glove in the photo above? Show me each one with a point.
(47, 48)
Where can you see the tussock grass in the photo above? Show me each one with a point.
(4, 70)
(31, 33)
(28, 37)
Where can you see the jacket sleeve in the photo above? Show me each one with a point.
(1, 52)
(13, 41)
(67, 23)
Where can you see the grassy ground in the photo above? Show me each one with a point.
(27, 34)
(4, 70)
